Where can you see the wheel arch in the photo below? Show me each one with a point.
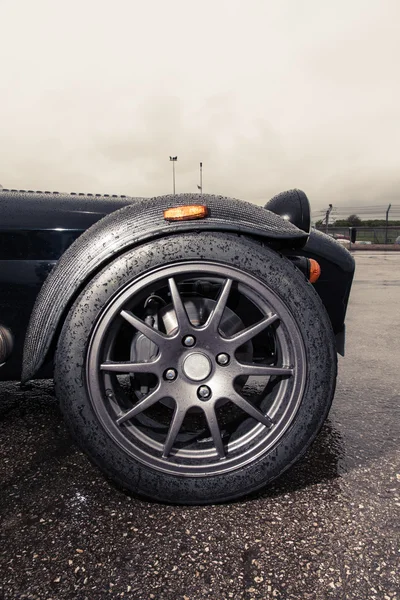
(122, 230)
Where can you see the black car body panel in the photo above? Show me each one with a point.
(334, 285)
(78, 234)
(35, 230)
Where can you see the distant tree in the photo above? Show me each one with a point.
(354, 221)
(351, 221)
(380, 223)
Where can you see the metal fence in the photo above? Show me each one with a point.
(374, 235)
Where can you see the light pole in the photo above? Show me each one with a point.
(387, 222)
(200, 187)
(328, 212)
(173, 159)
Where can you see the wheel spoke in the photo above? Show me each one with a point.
(264, 370)
(129, 367)
(215, 431)
(247, 334)
(179, 308)
(215, 318)
(250, 409)
(144, 403)
(153, 335)
(174, 428)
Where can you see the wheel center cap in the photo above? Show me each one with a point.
(197, 366)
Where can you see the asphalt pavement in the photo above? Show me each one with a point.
(328, 529)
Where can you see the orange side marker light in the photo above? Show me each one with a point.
(314, 271)
(186, 213)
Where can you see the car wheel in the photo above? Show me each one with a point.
(196, 368)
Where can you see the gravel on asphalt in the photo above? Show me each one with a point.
(329, 528)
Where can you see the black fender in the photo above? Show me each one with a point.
(334, 285)
(128, 227)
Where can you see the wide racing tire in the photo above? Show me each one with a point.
(211, 406)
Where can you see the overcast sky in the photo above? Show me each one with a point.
(95, 96)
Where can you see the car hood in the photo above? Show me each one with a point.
(53, 210)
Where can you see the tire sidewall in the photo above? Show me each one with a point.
(247, 255)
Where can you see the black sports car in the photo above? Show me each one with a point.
(192, 338)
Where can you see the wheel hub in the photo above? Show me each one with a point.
(197, 366)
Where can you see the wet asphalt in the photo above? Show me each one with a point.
(328, 529)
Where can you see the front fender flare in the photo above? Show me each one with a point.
(128, 227)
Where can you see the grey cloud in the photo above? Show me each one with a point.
(267, 95)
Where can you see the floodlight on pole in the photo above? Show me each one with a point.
(173, 159)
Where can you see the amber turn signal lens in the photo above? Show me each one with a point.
(314, 270)
(185, 213)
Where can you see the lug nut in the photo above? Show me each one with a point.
(204, 392)
(223, 359)
(170, 374)
(189, 341)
